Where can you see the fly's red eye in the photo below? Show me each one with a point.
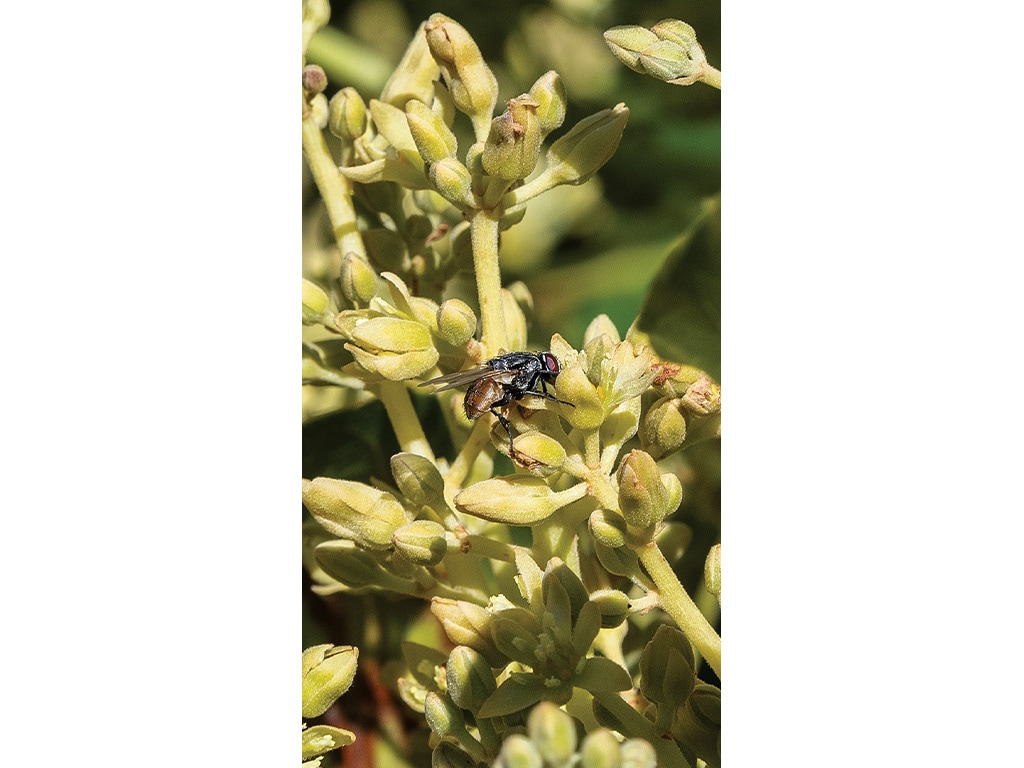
(550, 362)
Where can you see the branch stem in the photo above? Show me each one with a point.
(335, 189)
(679, 605)
(484, 238)
(403, 418)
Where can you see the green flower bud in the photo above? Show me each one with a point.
(537, 451)
(472, 84)
(664, 428)
(667, 673)
(613, 605)
(358, 280)
(314, 302)
(513, 143)
(321, 739)
(343, 561)
(347, 117)
(469, 678)
(421, 542)
(327, 672)
(600, 749)
(468, 624)
(516, 500)
(354, 511)
(456, 322)
(552, 732)
(387, 249)
(433, 138)
(626, 43)
(665, 60)
(643, 498)
(549, 93)
(560, 579)
(444, 718)
(314, 80)
(418, 479)
(637, 753)
(453, 182)
(393, 366)
(688, 52)
(609, 528)
(713, 571)
(578, 155)
(391, 334)
(517, 751)
(674, 489)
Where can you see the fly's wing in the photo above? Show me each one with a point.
(468, 376)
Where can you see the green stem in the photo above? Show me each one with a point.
(403, 418)
(479, 436)
(712, 77)
(484, 237)
(678, 604)
(335, 189)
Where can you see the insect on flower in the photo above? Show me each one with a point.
(500, 381)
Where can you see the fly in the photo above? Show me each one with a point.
(500, 381)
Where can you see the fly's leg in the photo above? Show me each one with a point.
(517, 457)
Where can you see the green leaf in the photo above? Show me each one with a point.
(601, 674)
(682, 310)
(514, 695)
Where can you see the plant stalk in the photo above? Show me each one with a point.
(678, 604)
(484, 238)
(335, 189)
(403, 418)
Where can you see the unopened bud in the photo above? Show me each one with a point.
(609, 528)
(600, 749)
(553, 732)
(471, 82)
(357, 279)
(664, 428)
(516, 500)
(453, 182)
(347, 119)
(549, 93)
(578, 155)
(444, 718)
(456, 322)
(469, 678)
(468, 624)
(433, 138)
(517, 751)
(643, 498)
(417, 478)
(713, 571)
(667, 669)
(626, 42)
(421, 542)
(513, 144)
(361, 513)
(314, 302)
(613, 605)
(327, 672)
(314, 80)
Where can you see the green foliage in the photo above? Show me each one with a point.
(508, 582)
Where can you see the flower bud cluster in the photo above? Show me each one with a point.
(668, 51)
(547, 636)
(397, 336)
(682, 706)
